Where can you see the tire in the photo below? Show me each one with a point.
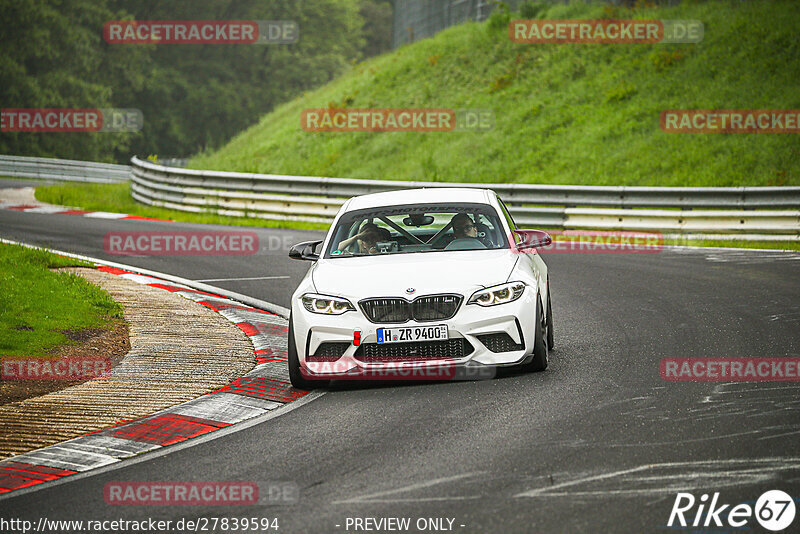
(550, 334)
(540, 345)
(295, 374)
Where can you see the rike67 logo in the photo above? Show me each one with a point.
(774, 511)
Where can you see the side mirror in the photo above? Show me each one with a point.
(305, 251)
(528, 239)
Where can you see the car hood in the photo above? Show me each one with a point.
(432, 272)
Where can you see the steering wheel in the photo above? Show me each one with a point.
(465, 243)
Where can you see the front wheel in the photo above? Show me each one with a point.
(295, 373)
(540, 342)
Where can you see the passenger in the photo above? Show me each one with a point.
(463, 227)
(367, 239)
(384, 234)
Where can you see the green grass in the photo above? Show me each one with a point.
(39, 304)
(117, 198)
(772, 245)
(585, 114)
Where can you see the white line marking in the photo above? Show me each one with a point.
(780, 435)
(759, 390)
(235, 279)
(46, 209)
(412, 487)
(539, 491)
(104, 215)
(761, 469)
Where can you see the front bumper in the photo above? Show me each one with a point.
(471, 323)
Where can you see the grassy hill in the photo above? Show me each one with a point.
(565, 113)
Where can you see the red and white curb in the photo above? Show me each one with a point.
(260, 391)
(61, 210)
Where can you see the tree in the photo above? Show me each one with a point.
(52, 54)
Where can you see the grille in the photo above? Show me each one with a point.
(421, 309)
(329, 351)
(385, 310)
(435, 307)
(500, 342)
(416, 351)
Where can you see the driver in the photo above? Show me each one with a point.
(463, 226)
(367, 239)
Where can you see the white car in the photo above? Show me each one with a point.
(414, 281)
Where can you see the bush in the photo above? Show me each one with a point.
(499, 18)
(530, 10)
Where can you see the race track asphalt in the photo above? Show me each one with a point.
(597, 443)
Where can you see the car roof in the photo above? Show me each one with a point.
(425, 195)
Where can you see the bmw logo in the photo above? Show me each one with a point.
(410, 290)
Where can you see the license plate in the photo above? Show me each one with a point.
(406, 334)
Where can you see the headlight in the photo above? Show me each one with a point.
(501, 294)
(326, 304)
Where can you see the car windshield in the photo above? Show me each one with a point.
(417, 228)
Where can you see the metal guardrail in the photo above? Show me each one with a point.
(63, 169)
(743, 210)
(747, 212)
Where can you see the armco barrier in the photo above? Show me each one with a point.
(750, 211)
(63, 169)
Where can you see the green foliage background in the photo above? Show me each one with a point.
(585, 114)
(193, 97)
